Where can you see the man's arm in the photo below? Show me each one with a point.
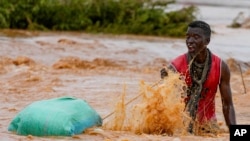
(226, 96)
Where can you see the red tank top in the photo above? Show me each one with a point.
(206, 106)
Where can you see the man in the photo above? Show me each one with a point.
(203, 72)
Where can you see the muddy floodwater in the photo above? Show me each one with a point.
(101, 68)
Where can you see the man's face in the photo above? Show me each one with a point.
(196, 40)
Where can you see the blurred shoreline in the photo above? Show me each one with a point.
(221, 3)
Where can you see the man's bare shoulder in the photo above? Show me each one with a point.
(225, 72)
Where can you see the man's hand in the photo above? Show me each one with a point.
(164, 73)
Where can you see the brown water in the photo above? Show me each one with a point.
(108, 71)
(160, 109)
(102, 69)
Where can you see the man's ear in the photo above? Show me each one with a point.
(207, 41)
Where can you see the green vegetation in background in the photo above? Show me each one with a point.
(143, 17)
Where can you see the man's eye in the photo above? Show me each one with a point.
(196, 37)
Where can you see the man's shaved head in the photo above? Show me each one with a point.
(203, 25)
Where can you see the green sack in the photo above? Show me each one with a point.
(65, 116)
